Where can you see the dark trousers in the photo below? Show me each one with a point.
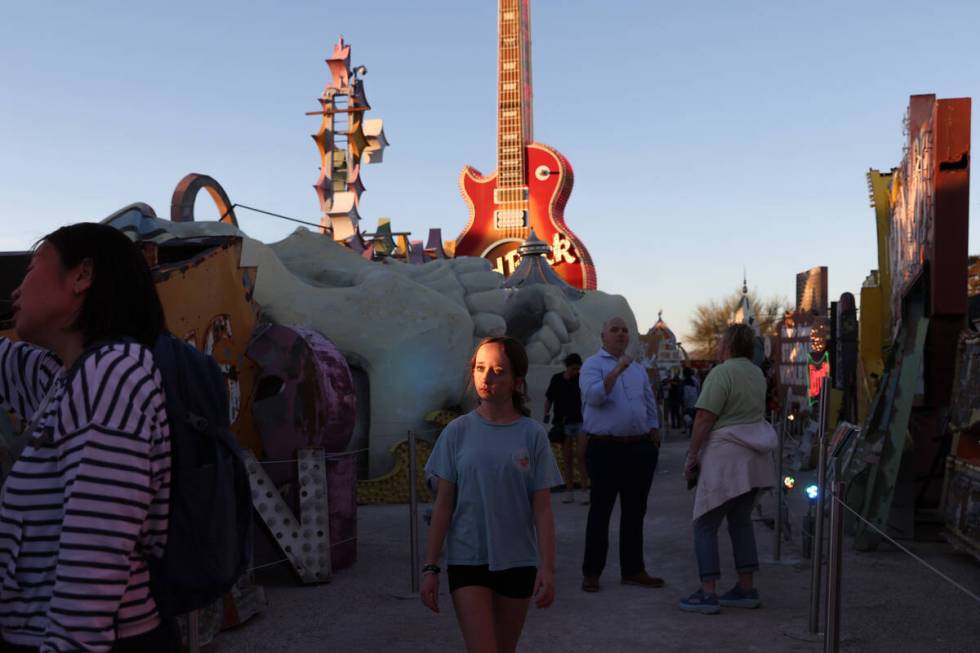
(626, 471)
(675, 410)
(738, 511)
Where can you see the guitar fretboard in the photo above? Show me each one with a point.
(514, 99)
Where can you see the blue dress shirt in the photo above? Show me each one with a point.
(629, 409)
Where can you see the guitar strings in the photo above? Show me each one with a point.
(510, 181)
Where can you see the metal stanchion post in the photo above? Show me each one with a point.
(777, 546)
(816, 570)
(780, 525)
(413, 510)
(832, 629)
(193, 632)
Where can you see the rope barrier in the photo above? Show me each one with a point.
(342, 454)
(271, 564)
(329, 456)
(905, 550)
(405, 429)
(279, 562)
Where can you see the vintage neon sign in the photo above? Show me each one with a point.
(505, 259)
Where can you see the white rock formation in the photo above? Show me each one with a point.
(412, 328)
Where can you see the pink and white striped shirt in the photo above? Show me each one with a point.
(87, 503)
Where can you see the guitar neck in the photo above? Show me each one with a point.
(513, 93)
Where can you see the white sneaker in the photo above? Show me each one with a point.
(568, 497)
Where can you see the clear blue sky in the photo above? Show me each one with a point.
(705, 136)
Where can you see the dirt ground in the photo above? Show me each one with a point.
(890, 602)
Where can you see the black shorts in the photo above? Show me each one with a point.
(514, 583)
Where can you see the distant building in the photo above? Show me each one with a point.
(662, 351)
(811, 290)
(745, 313)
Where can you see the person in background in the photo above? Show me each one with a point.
(495, 471)
(620, 419)
(675, 401)
(87, 503)
(729, 456)
(565, 397)
(690, 390)
(689, 372)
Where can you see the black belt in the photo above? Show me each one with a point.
(622, 439)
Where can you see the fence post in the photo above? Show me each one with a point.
(413, 510)
(817, 561)
(834, 565)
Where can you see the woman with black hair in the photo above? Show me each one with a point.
(495, 471)
(86, 504)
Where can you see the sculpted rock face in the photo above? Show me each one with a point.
(409, 330)
(408, 338)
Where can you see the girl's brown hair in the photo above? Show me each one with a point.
(518, 364)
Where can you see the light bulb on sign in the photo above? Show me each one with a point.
(812, 492)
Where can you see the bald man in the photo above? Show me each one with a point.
(620, 419)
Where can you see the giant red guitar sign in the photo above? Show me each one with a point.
(532, 182)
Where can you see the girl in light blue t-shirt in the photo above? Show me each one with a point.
(493, 507)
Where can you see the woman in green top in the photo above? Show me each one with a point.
(493, 506)
(729, 459)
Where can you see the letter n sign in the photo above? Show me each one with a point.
(304, 541)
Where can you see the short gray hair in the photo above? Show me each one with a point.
(605, 325)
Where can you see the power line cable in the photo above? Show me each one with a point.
(269, 213)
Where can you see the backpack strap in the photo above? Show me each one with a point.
(39, 410)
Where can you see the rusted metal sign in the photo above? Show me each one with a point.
(207, 299)
(880, 452)
(930, 205)
(305, 539)
(305, 398)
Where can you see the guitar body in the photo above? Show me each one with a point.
(549, 181)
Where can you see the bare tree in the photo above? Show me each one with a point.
(711, 318)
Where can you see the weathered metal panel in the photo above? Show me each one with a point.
(880, 188)
(342, 494)
(964, 410)
(947, 246)
(871, 365)
(961, 495)
(208, 302)
(182, 201)
(314, 513)
(961, 506)
(306, 394)
(304, 540)
(929, 229)
(884, 444)
(305, 398)
(844, 367)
